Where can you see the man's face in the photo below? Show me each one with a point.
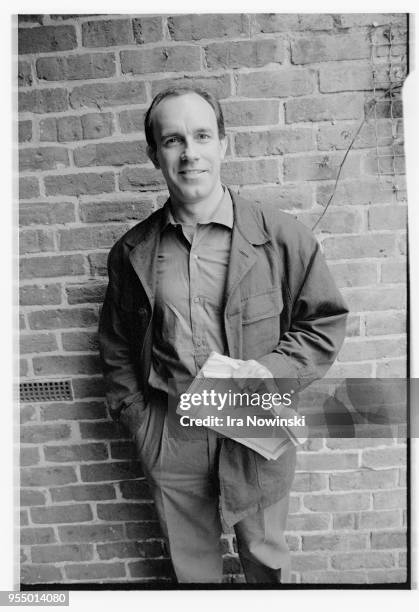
(188, 149)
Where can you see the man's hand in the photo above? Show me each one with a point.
(249, 370)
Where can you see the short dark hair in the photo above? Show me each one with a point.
(180, 91)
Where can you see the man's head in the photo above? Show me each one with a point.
(185, 134)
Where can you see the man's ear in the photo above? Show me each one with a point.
(153, 156)
(223, 145)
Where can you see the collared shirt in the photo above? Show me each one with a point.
(191, 275)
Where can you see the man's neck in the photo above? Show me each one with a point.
(192, 213)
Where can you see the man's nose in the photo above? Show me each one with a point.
(190, 150)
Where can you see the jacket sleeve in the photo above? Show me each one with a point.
(124, 397)
(318, 316)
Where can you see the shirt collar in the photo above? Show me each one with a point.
(223, 214)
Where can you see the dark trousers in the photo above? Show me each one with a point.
(181, 472)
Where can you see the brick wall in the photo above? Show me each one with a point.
(294, 89)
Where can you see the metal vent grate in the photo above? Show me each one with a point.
(46, 391)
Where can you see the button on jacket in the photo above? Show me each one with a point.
(281, 308)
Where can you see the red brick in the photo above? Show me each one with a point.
(34, 295)
(376, 298)
(326, 461)
(97, 125)
(28, 414)
(108, 430)
(309, 482)
(308, 521)
(116, 210)
(76, 411)
(126, 550)
(364, 350)
(92, 292)
(62, 552)
(250, 112)
(284, 196)
(41, 476)
(125, 512)
(62, 318)
(37, 343)
(326, 48)
(390, 499)
(102, 95)
(80, 184)
(161, 59)
(250, 171)
(334, 222)
(135, 489)
(143, 530)
(354, 274)
(141, 179)
(346, 76)
(107, 33)
(80, 341)
(274, 142)
(394, 271)
(88, 387)
(90, 533)
(48, 129)
(337, 502)
(36, 434)
(280, 22)
(94, 571)
(330, 107)
(219, 86)
(117, 470)
(334, 542)
(22, 322)
(344, 520)
(301, 562)
(279, 83)
(43, 100)
(365, 479)
(36, 241)
(319, 166)
(69, 513)
(340, 136)
(37, 535)
(46, 39)
(23, 518)
(383, 458)
(83, 493)
(196, 27)
(23, 367)
(386, 539)
(387, 217)
(29, 456)
(132, 120)
(361, 560)
(350, 20)
(66, 365)
(249, 54)
(46, 213)
(25, 131)
(67, 129)
(364, 245)
(385, 323)
(28, 188)
(111, 154)
(150, 568)
(24, 74)
(76, 452)
(75, 67)
(147, 29)
(83, 238)
(38, 574)
(339, 443)
(29, 497)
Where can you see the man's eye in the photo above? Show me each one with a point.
(203, 136)
(172, 140)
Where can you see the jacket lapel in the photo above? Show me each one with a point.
(143, 256)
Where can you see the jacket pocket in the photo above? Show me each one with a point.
(261, 323)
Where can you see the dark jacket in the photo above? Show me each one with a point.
(281, 308)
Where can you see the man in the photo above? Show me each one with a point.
(212, 272)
